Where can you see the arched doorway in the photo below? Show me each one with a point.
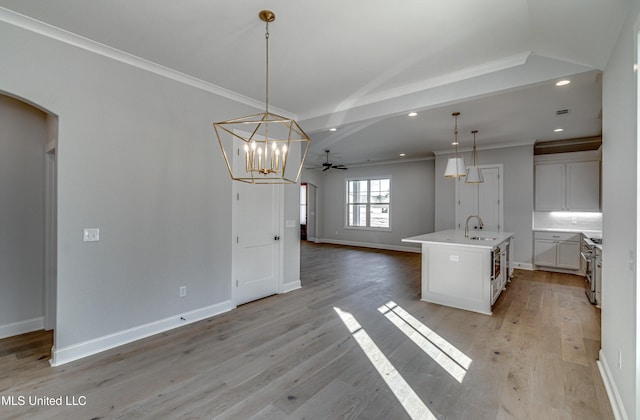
(28, 185)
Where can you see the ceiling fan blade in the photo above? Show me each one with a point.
(326, 168)
(341, 167)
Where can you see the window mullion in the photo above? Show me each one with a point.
(368, 203)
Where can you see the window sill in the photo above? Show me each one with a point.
(373, 229)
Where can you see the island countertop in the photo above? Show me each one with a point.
(484, 239)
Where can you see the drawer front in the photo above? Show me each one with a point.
(557, 236)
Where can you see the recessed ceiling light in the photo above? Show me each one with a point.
(403, 154)
(559, 130)
(563, 82)
(413, 114)
(333, 129)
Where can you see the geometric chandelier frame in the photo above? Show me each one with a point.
(273, 147)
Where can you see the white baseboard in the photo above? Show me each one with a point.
(612, 391)
(289, 287)
(557, 270)
(372, 245)
(21, 327)
(77, 351)
(523, 266)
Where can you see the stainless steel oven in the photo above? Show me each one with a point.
(588, 256)
(497, 266)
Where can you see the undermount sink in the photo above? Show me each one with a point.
(482, 238)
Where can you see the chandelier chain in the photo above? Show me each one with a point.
(266, 37)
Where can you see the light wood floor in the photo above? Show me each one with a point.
(291, 357)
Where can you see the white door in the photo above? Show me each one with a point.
(484, 199)
(489, 199)
(256, 230)
(467, 203)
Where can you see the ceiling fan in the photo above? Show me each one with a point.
(329, 165)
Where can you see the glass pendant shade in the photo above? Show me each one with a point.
(455, 168)
(474, 175)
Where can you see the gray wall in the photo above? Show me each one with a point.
(518, 195)
(412, 203)
(619, 222)
(137, 158)
(22, 140)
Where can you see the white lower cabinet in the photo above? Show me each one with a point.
(545, 252)
(557, 250)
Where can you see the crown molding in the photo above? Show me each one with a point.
(70, 38)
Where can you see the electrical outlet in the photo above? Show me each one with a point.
(183, 291)
(574, 220)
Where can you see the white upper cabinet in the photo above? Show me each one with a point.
(567, 186)
(550, 187)
(583, 186)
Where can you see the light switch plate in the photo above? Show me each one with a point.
(91, 235)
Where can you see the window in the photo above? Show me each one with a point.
(368, 203)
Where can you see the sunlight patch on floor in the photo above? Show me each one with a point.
(440, 350)
(410, 401)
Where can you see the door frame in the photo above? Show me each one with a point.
(50, 236)
(314, 187)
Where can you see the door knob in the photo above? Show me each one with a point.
(277, 238)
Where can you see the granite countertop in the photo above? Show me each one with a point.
(457, 238)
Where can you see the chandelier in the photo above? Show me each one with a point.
(263, 148)
(455, 165)
(474, 174)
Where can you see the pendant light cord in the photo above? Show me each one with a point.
(455, 133)
(266, 37)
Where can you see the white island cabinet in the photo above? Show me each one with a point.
(466, 273)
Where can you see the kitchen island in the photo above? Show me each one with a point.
(465, 272)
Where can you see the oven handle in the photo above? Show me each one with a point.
(587, 258)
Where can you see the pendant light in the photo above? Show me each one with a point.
(474, 174)
(261, 146)
(455, 165)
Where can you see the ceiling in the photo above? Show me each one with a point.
(361, 67)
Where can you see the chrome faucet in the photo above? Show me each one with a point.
(466, 225)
